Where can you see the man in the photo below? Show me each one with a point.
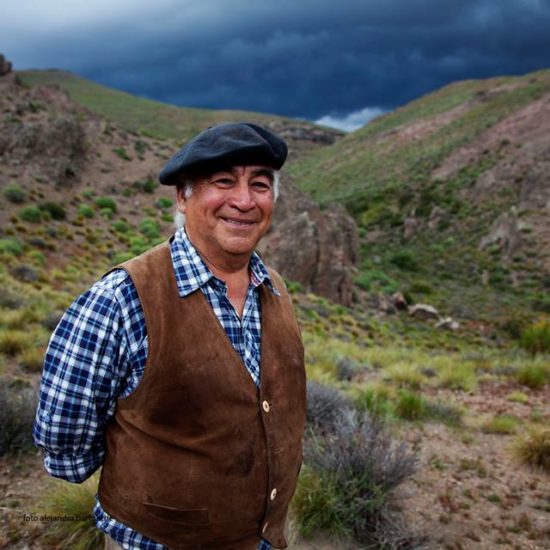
(181, 372)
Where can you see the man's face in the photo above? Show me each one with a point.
(229, 211)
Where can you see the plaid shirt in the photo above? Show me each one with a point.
(98, 352)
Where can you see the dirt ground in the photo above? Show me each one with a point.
(468, 492)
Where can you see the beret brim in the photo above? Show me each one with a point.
(223, 146)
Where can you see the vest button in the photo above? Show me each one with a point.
(265, 406)
(273, 494)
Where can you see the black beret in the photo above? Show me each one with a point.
(223, 146)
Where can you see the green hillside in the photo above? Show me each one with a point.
(150, 118)
(424, 165)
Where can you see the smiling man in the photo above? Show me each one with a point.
(181, 372)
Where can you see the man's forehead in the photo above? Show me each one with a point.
(240, 171)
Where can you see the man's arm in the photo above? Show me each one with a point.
(95, 355)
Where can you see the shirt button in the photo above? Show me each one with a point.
(273, 494)
(264, 528)
(265, 406)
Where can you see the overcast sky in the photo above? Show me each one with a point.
(338, 61)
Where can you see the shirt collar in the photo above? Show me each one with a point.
(192, 273)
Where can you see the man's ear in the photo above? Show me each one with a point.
(180, 199)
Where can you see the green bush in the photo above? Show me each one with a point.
(55, 210)
(164, 203)
(536, 338)
(150, 228)
(502, 425)
(14, 193)
(410, 406)
(17, 409)
(147, 186)
(404, 259)
(120, 226)
(11, 246)
(533, 376)
(30, 214)
(86, 211)
(106, 202)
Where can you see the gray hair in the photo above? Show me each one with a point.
(179, 217)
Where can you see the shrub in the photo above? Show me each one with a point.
(533, 448)
(532, 376)
(32, 359)
(147, 186)
(536, 338)
(410, 406)
(54, 209)
(76, 502)
(404, 259)
(14, 193)
(345, 369)
(406, 375)
(458, 377)
(518, 397)
(358, 465)
(13, 342)
(120, 226)
(30, 214)
(121, 152)
(106, 203)
(17, 409)
(376, 400)
(324, 406)
(11, 246)
(503, 425)
(164, 203)
(150, 228)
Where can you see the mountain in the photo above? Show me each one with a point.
(80, 187)
(452, 197)
(159, 120)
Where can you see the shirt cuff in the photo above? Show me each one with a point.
(74, 468)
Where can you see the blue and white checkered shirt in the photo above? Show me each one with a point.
(98, 352)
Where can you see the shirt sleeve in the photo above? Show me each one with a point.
(91, 360)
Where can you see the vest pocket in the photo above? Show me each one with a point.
(198, 516)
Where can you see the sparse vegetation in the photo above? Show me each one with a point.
(350, 473)
(17, 409)
(533, 448)
(15, 193)
(502, 425)
(533, 376)
(536, 338)
(62, 499)
(106, 203)
(31, 214)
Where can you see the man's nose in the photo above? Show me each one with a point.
(241, 197)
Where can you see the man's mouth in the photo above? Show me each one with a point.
(235, 222)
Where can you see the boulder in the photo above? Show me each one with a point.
(423, 312)
(317, 248)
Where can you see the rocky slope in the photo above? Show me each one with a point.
(452, 196)
(58, 152)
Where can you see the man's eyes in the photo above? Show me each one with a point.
(262, 185)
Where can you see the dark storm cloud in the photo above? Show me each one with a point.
(299, 58)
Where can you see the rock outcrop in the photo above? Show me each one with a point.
(317, 248)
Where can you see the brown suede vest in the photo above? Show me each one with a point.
(198, 457)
